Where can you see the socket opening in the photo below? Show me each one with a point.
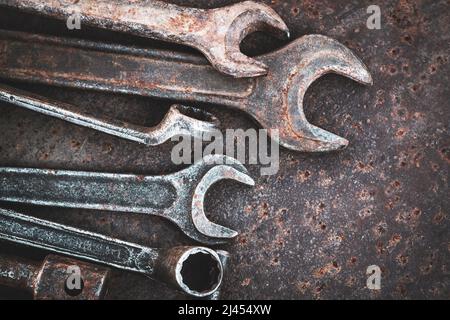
(199, 272)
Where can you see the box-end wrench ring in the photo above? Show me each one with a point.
(179, 120)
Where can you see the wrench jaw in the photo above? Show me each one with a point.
(298, 65)
(208, 171)
(231, 25)
(182, 120)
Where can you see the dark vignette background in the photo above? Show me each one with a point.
(310, 231)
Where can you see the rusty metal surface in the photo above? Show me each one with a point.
(311, 231)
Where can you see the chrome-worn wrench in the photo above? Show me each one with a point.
(176, 122)
(217, 33)
(197, 271)
(178, 197)
(275, 101)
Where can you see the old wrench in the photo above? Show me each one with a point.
(176, 121)
(275, 101)
(47, 280)
(217, 33)
(178, 197)
(196, 271)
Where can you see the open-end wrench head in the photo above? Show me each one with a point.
(229, 26)
(278, 100)
(208, 171)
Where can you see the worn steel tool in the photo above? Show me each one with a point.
(275, 101)
(47, 280)
(217, 33)
(176, 122)
(196, 271)
(178, 197)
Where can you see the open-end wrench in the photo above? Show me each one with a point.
(176, 122)
(217, 33)
(275, 101)
(47, 280)
(178, 197)
(196, 271)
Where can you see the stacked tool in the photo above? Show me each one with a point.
(270, 88)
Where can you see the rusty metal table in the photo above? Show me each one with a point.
(311, 230)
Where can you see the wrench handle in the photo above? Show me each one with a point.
(114, 68)
(101, 191)
(145, 18)
(70, 241)
(68, 113)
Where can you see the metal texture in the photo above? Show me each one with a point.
(178, 197)
(217, 33)
(311, 230)
(47, 280)
(196, 271)
(225, 259)
(175, 123)
(275, 101)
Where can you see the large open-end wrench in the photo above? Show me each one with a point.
(197, 271)
(178, 197)
(217, 33)
(275, 101)
(178, 121)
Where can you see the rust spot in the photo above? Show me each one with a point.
(402, 260)
(303, 175)
(401, 133)
(438, 217)
(246, 282)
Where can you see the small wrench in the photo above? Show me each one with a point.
(176, 122)
(196, 271)
(178, 197)
(217, 33)
(275, 101)
(47, 280)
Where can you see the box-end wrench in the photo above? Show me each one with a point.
(217, 33)
(47, 280)
(178, 197)
(275, 101)
(179, 120)
(196, 271)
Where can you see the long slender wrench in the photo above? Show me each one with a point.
(275, 101)
(178, 197)
(177, 266)
(176, 122)
(217, 33)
